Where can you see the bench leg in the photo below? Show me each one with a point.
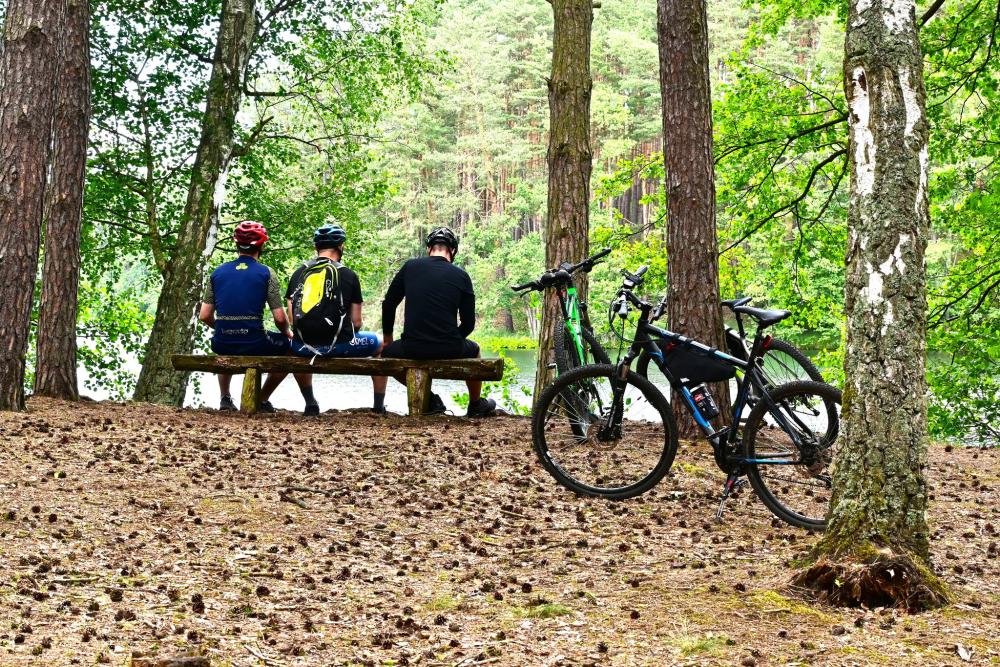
(250, 400)
(418, 390)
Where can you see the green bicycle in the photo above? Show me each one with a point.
(575, 345)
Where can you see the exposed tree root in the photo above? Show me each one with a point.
(882, 579)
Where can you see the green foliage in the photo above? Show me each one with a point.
(112, 333)
(498, 343)
(509, 393)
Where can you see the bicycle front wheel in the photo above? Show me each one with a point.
(597, 443)
(789, 441)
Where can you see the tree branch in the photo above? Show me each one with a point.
(787, 139)
(929, 14)
(817, 168)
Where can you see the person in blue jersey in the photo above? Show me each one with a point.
(440, 314)
(233, 305)
(324, 303)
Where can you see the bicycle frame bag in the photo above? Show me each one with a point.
(692, 366)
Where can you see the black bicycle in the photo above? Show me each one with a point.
(781, 363)
(604, 430)
(575, 344)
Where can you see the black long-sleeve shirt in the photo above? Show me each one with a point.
(440, 301)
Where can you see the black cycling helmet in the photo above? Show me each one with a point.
(443, 236)
(329, 236)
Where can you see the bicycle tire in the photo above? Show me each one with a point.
(655, 398)
(566, 354)
(783, 346)
(829, 396)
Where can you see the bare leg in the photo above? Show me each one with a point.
(475, 390)
(270, 384)
(379, 382)
(225, 382)
(475, 387)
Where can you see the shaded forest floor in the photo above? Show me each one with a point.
(441, 542)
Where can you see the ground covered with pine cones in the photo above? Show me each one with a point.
(352, 539)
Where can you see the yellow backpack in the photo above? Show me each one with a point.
(318, 303)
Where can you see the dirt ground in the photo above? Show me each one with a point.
(441, 541)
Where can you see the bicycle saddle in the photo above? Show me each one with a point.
(765, 317)
(732, 303)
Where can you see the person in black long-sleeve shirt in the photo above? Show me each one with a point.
(440, 313)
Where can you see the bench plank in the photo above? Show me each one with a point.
(449, 369)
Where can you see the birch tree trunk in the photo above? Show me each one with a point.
(876, 550)
(29, 56)
(569, 159)
(55, 370)
(173, 329)
(692, 250)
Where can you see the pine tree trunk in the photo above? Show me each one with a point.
(876, 549)
(173, 329)
(569, 160)
(692, 249)
(29, 56)
(55, 371)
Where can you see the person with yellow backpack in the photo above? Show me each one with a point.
(324, 303)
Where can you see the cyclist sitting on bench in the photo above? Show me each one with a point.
(233, 305)
(324, 300)
(438, 294)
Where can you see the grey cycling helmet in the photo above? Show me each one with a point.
(443, 236)
(329, 236)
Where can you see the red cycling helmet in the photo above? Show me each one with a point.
(250, 234)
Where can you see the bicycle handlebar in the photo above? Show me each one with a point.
(562, 274)
(588, 263)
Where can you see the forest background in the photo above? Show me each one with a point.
(393, 119)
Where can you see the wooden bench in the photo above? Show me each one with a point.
(416, 373)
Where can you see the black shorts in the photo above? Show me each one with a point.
(400, 349)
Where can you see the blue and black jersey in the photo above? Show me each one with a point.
(239, 290)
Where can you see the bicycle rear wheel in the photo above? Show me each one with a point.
(568, 357)
(597, 447)
(784, 363)
(790, 441)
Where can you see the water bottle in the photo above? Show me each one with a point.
(704, 402)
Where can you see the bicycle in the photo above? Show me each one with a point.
(782, 363)
(622, 437)
(576, 343)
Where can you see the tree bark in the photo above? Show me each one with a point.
(55, 370)
(28, 63)
(173, 329)
(569, 158)
(692, 248)
(876, 549)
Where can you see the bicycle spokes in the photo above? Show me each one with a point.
(603, 438)
(792, 450)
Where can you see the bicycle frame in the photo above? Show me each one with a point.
(574, 314)
(649, 337)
